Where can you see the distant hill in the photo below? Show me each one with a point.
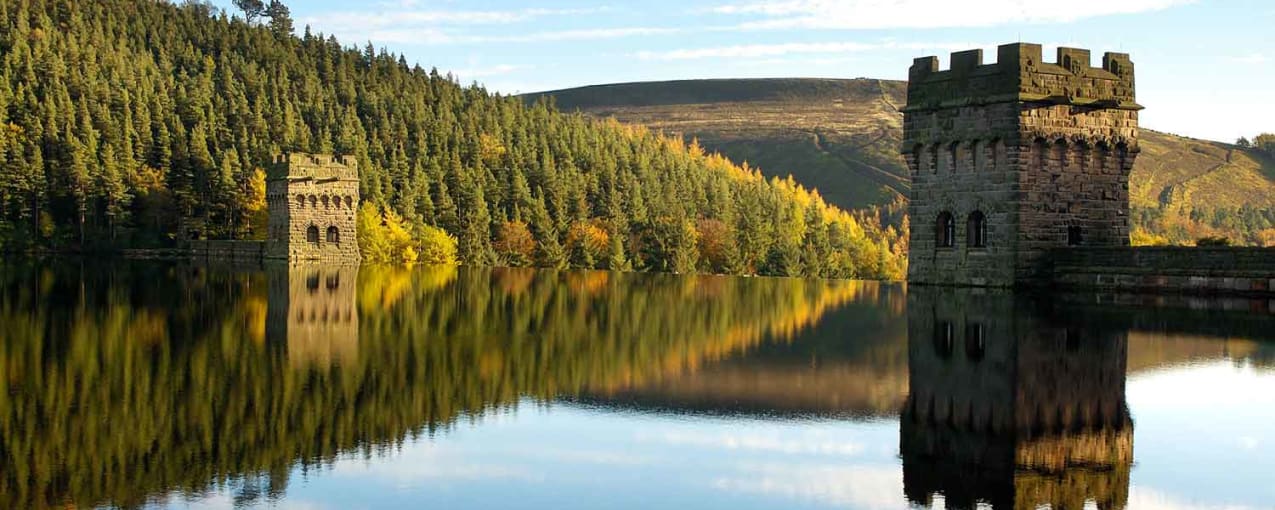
(842, 137)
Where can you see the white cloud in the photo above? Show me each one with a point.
(402, 23)
(483, 72)
(1251, 58)
(407, 16)
(877, 14)
(581, 34)
(781, 49)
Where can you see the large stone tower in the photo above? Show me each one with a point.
(1011, 159)
(313, 200)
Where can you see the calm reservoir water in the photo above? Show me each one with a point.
(163, 385)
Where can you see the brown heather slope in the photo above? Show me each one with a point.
(842, 137)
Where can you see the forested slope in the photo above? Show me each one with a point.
(142, 123)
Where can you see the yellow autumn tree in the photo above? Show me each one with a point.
(514, 244)
(436, 246)
(383, 236)
(256, 214)
(587, 242)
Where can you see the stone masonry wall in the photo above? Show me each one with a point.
(962, 161)
(1075, 175)
(1166, 269)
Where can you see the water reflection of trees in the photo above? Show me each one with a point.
(126, 382)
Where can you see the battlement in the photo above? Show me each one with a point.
(297, 165)
(1020, 74)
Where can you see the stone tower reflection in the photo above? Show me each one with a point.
(1011, 407)
(312, 313)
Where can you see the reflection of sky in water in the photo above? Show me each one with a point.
(1204, 438)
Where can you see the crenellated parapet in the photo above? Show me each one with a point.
(320, 167)
(1021, 74)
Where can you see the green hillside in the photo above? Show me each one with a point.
(135, 123)
(842, 136)
(839, 136)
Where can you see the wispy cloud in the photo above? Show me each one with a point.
(576, 35)
(433, 36)
(753, 50)
(484, 72)
(411, 17)
(434, 27)
(877, 14)
(782, 49)
(1251, 58)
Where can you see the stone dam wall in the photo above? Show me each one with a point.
(1188, 270)
(227, 251)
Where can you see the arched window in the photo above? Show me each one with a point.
(324, 199)
(334, 235)
(312, 234)
(976, 230)
(300, 200)
(1074, 237)
(945, 230)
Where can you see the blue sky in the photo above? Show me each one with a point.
(1204, 68)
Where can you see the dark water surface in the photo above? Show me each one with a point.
(164, 385)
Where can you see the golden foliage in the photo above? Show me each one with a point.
(436, 246)
(588, 237)
(714, 242)
(383, 236)
(255, 210)
(515, 244)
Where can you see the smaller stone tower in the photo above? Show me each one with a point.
(313, 201)
(1012, 159)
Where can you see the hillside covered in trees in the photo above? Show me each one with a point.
(842, 137)
(135, 123)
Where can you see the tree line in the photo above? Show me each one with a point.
(140, 123)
